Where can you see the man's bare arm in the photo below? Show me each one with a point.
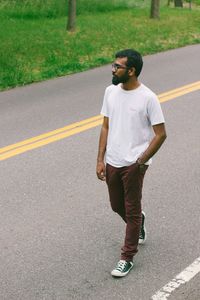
(100, 169)
(157, 141)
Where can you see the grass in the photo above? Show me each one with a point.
(35, 45)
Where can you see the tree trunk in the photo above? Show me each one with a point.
(155, 8)
(71, 23)
(178, 3)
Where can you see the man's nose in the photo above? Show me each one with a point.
(113, 71)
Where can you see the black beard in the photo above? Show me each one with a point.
(115, 80)
(123, 79)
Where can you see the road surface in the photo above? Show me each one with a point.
(59, 238)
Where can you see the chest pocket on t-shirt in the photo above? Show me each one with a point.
(137, 119)
(135, 113)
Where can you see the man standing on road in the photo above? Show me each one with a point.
(132, 132)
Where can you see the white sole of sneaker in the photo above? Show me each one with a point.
(116, 273)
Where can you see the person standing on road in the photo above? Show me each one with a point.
(132, 132)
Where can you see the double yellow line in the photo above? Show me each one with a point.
(64, 132)
(179, 91)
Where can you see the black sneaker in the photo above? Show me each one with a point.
(122, 268)
(143, 233)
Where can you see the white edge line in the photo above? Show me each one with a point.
(183, 277)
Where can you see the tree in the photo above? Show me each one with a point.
(71, 23)
(155, 9)
(178, 3)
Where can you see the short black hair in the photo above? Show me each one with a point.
(134, 59)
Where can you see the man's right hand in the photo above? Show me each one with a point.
(101, 171)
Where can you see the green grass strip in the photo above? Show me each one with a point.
(38, 48)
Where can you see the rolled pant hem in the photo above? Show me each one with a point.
(127, 259)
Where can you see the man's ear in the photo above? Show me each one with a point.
(131, 71)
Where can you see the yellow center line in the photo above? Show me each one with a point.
(179, 91)
(69, 130)
(49, 134)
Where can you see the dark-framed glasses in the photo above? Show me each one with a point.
(118, 66)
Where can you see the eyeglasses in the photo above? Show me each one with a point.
(117, 66)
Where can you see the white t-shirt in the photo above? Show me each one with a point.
(131, 117)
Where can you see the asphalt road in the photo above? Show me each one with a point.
(59, 238)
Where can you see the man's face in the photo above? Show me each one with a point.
(120, 71)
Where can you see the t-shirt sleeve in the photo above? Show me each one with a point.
(155, 113)
(104, 109)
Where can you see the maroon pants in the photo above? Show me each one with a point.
(125, 191)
